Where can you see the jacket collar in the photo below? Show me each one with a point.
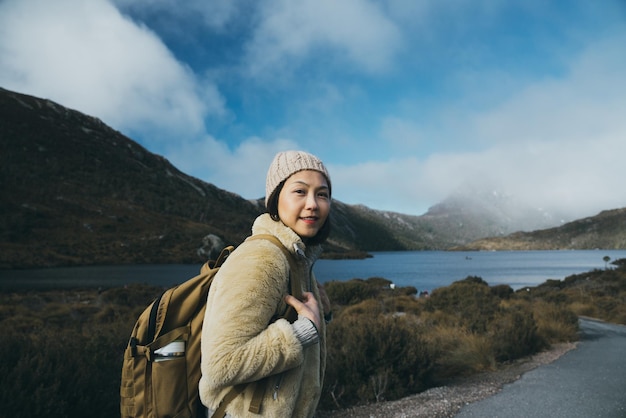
(264, 224)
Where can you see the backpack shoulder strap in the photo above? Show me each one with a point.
(220, 412)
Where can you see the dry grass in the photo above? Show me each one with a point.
(458, 352)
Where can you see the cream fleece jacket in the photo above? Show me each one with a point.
(240, 345)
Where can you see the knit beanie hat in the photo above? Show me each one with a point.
(287, 163)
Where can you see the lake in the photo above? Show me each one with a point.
(425, 270)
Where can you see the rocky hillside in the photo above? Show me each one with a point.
(607, 230)
(76, 192)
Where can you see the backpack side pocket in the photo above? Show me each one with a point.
(170, 374)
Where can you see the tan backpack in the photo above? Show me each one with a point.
(161, 368)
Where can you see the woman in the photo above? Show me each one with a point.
(241, 340)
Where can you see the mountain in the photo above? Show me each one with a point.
(466, 215)
(607, 230)
(487, 212)
(76, 192)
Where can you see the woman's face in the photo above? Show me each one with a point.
(304, 202)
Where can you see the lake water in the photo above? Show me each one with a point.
(425, 270)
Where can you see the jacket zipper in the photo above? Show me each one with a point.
(277, 386)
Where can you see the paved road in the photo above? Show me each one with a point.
(589, 381)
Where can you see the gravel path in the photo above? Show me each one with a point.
(446, 401)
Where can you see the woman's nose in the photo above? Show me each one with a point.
(311, 201)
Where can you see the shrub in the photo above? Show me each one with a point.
(60, 375)
(61, 359)
(458, 352)
(132, 295)
(583, 309)
(503, 291)
(367, 308)
(407, 291)
(404, 304)
(555, 323)
(379, 282)
(469, 300)
(357, 290)
(514, 333)
(382, 357)
(350, 292)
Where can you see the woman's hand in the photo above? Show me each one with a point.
(308, 307)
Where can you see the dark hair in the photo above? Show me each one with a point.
(272, 209)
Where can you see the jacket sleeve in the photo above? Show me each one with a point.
(239, 344)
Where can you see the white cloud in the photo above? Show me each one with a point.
(87, 56)
(590, 100)
(356, 32)
(398, 185)
(241, 170)
(557, 143)
(575, 180)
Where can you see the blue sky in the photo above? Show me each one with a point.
(406, 101)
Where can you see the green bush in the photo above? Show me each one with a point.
(514, 334)
(456, 351)
(403, 303)
(469, 300)
(60, 375)
(63, 358)
(349, 292)
(503, 291)
(374, 359)
(357, 290)
(555, 322)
